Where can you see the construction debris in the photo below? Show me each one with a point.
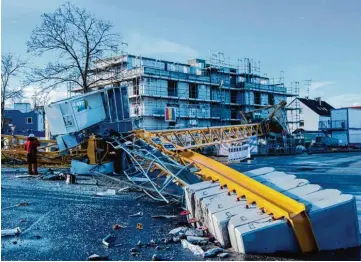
(70, 179)
(25, 176)
(164, 216)
(139, 226)
(10, 232)
(109, 192)
(52, 176)
(117, 227)
(139, 214)
(155, 257)
(106, 239)
(96, 257)
(212, 252)
(196, 250)
(177, 231)
(223, 255)
(22, 204)
(197, 240)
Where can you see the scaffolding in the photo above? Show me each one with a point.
(293, 107)
(202, 92)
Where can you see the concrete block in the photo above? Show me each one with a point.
(223, 203)
(274, 176)
(81, 168)
(334, 219)
(202, 194)
(298, 192)
(221, 219)
(259, 171)
(206, 202)
(285, 185)
(264, 236)
(190, 191)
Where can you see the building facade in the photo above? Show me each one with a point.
(312, 114)
(345, 125)
(21, 120)
(199, 93)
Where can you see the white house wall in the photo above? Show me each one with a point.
(354, 118)
(354, 136)
(341, 136)
(310, 118)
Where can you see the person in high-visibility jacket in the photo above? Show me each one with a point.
(31, 147)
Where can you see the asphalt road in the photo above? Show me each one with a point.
(67, 222)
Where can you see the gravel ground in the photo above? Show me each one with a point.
(68, 222)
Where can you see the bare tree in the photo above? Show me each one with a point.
(78, 39)
(10, 67)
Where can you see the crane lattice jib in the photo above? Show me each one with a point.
(191, 138)
(267, 199)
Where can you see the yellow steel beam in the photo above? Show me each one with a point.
(206, 136)
(267, 199)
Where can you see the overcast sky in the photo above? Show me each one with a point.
(309, 39)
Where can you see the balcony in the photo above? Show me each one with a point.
(333, 125)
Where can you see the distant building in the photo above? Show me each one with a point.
(21, 120)
(200, 93)
(313, 114)
(345, 125)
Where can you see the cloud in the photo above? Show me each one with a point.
(54, 95)
(317, 85)
(144, 45)
(344, 100)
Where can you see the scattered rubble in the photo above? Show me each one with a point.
(139, 226)
(139, 244)
(96, 257)
(52, 176)
(109, 192)
(25, 176)
(155, 257)
(197, 240)
(10, 232)
(22, 204)
(70, 179)
(117, 227)
(196, 250)
(164, 216)
(212, 252)
(152, 242)
(139, 214)
(223, 255)
(133, 250)
(106, 240)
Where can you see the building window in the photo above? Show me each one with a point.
(302, 123)
(271, 99)
(257, 98)
(172, 88)
(80, 105)
(193, 91)
(28, 120)
(68, 120)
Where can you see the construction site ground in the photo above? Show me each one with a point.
(68, 222)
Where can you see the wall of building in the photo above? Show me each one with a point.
(309, 117)
(202, 94)
(22, 123)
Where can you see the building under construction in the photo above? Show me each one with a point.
(202, 93)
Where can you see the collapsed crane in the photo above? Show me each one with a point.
(97, 137)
